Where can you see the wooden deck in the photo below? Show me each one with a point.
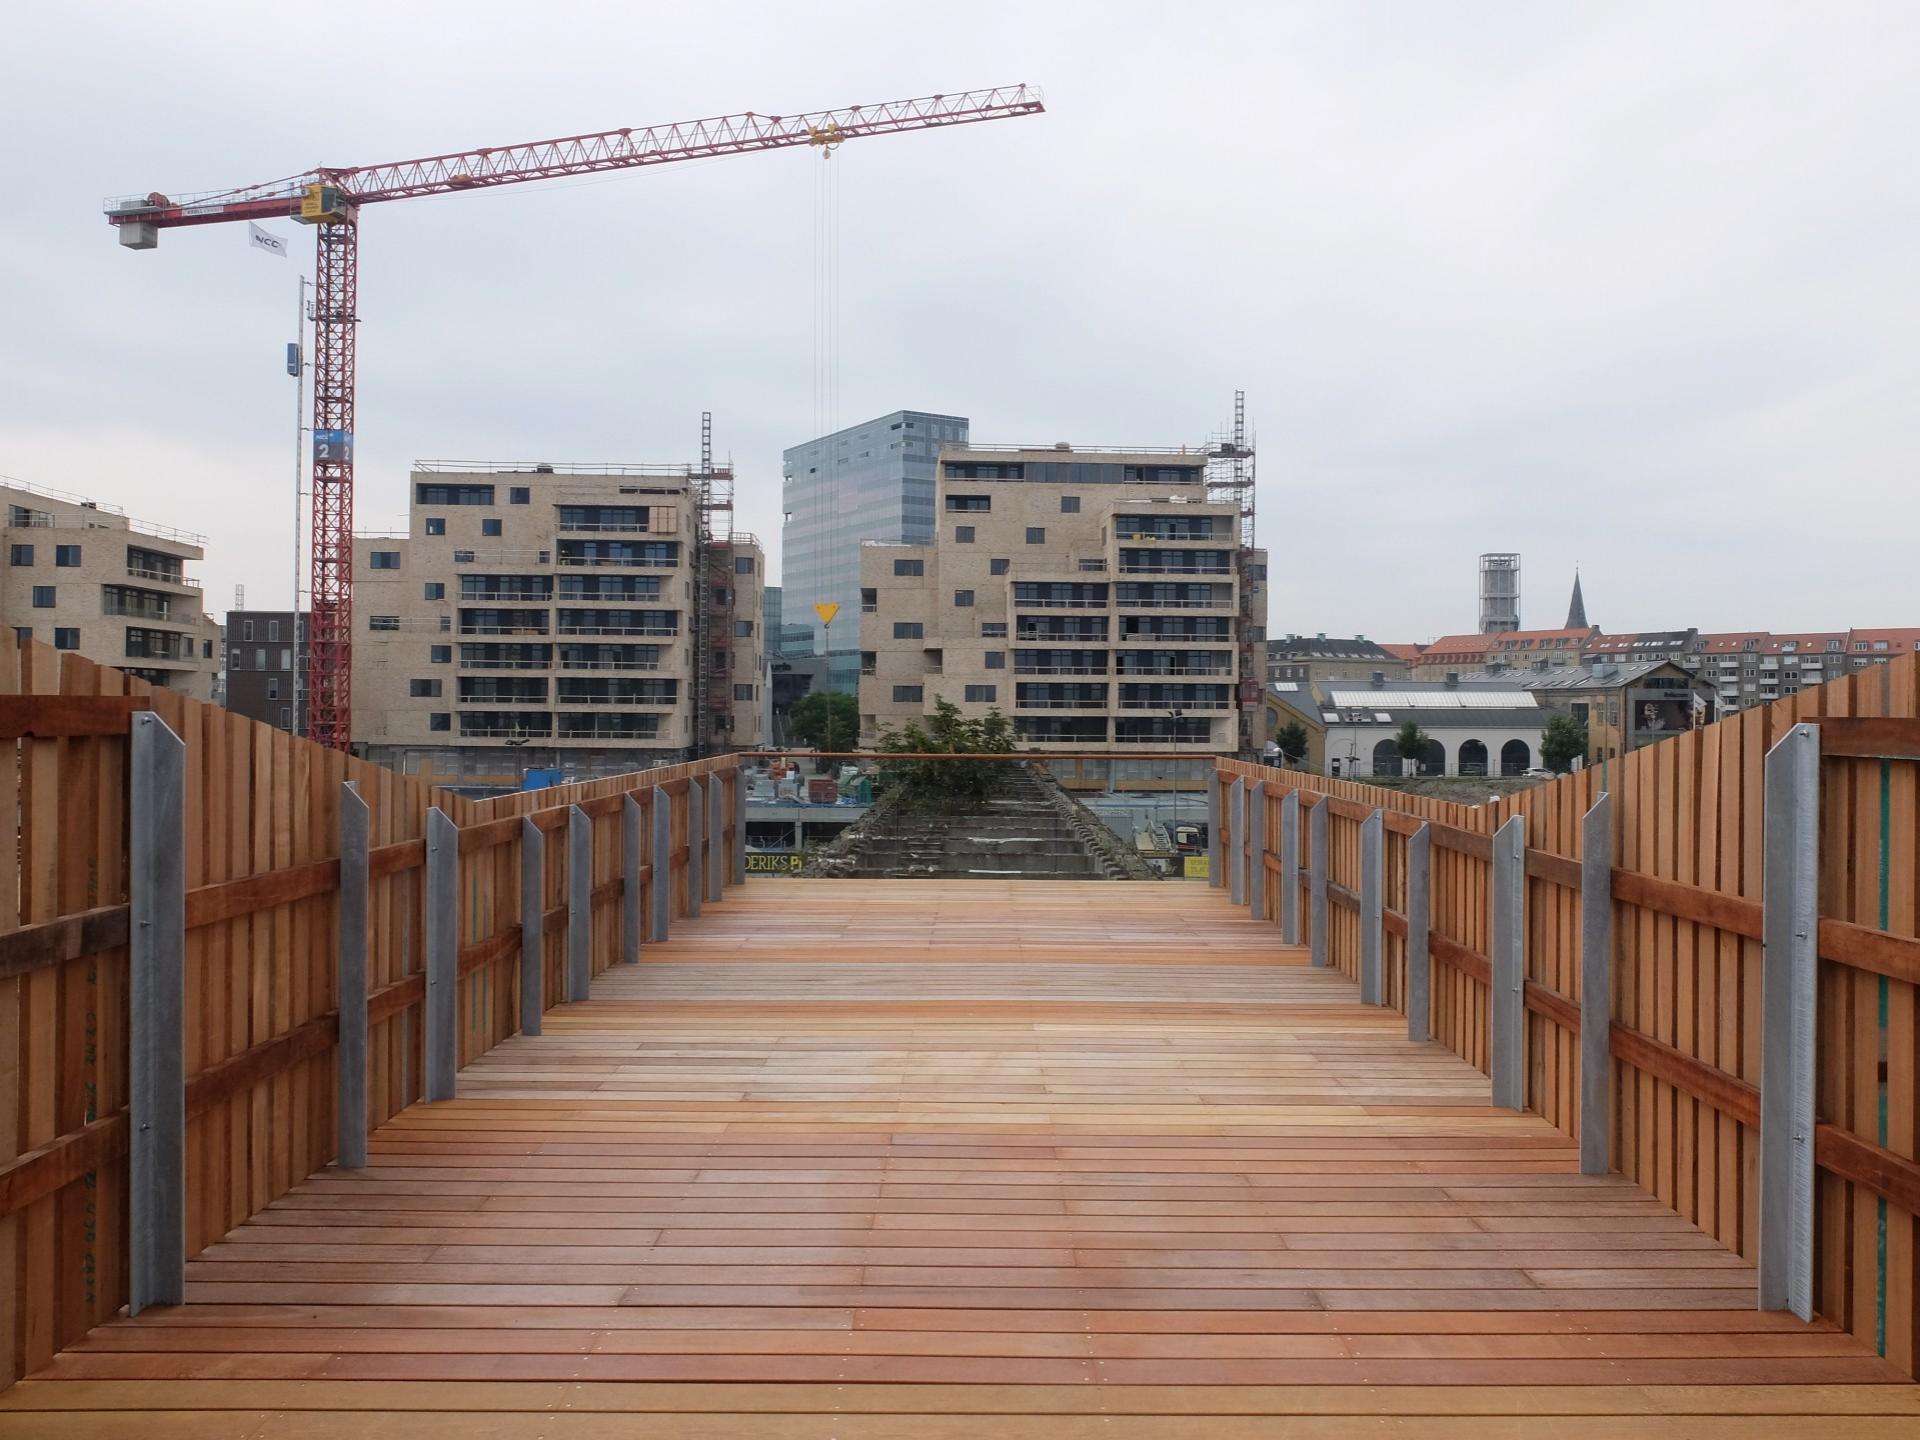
(863, 1159)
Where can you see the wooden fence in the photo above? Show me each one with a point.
(262, 813)
(1687, 871)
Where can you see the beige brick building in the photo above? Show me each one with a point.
(1088, 594)
(546, 617)
(81, 576)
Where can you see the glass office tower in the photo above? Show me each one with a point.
(872, 481)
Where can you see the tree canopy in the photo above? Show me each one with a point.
(941, 783)
(809, 720)
(1563, 738)
(1291, 740)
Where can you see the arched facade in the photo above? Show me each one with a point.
(1473, 758)
(1515, 757)
(1433, 759)
(1386, 758)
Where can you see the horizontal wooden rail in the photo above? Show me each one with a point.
(1878, 737)
(68, 717)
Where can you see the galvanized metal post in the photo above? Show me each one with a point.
(740, 825)
(350, 983)
(443, 953)
(1214, 877)
(1317, 882)
(1419, 929)
(1257, 850)
(630, 880)
(717, 867)
(1237, 841)
(1373, 859)
(157, 1024)
(1507, 1000)
(533, 925)
(1596, 987)
(1290, 868)
(579, 904)
(696, 845)
(660, 857)
(1790, 902)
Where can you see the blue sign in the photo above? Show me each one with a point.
(332, 447)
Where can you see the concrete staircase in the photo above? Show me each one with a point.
(1025, 829)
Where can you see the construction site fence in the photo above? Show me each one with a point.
(1653, 954)
(231, 952)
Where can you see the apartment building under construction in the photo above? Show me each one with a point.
(1095, 596)
(580, 618)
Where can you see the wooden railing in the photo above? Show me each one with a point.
(1678, 1084)
(259, 954)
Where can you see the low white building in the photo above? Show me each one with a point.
(1471, 728)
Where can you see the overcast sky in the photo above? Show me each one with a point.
(1628, 285)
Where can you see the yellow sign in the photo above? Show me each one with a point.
(1196, 867)
(773, 862)
(826, 610)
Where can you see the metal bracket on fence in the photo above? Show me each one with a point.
(1317, 882)
(1596, 987)
(716, 870)
(1790, 903)
(1290, 868)
(533, 925)
(1507, 998)
(1257, 850)
(740, 825)
(1237, 841)
(1419, 931)
(1214, 877)
(660, 856)
(1373, 846)
(443, 953)
(696, 844)
(630, 888)
(579, 903)
(156, 1014)
(350, 982)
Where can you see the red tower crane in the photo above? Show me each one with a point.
(329, 199)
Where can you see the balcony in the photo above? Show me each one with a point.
(163, 577)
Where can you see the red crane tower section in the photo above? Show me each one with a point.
(330, 199)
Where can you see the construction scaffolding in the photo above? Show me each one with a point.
(1230, 480)
(713, 617)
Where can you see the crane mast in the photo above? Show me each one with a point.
(330, 199)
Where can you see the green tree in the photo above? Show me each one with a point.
(826, 720)
(941, 784)
(1564, 738)
(1411, 741)
(1291, 738)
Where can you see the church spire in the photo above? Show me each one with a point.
(1577, 610)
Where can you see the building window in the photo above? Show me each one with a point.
(909, 567)
(436, 525)
(434, 590)
(440, 654)
(66, 637)
(273, 687)
(906, 694)
(273, 629)
(430, 494)
(519, 495)
(66, 556)
(743, 565)
(286, 718)
(440, 720)
(742, 629)
(446, 624)
(993, 629)
(1036, 534)
(963, 534)
(23, 632)
(969, 503)
(43, 597)
(867, 662)
(1069, 504)
(998, 565)
(908, 630)
(490, 527)
(286, 658)
(982, 694)
(22, 555)
(465, 557)
(963, 599)
(743, 692)
(383, 622)
(423, 689)
(259, 657)
(246, 629)
(383, 559)
(206, 649)
(995, 659)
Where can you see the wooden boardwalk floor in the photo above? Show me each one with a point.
(863, 1159)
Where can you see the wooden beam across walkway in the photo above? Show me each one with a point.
(983, 1159)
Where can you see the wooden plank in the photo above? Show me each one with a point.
(67, 717)
(1875, 737)
(1732, 913)
(63, 938)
